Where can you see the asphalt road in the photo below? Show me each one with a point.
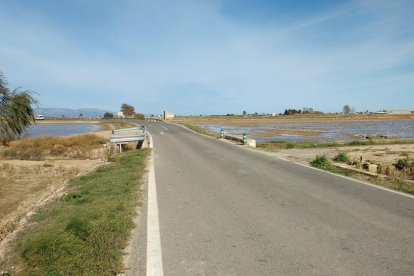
(225, 210)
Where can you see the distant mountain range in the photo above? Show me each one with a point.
(67, 112)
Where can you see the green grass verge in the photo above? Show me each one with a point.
(202, 130)
(85, 231)
(273, 146)
(322, 162)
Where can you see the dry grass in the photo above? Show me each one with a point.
(202, 130)
(115, 124)
(25, 185)
(275, 146)
(85, 231)
(40, 148)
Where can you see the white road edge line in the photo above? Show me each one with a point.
(349, 178)
(154, 251)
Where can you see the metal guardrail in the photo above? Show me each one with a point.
(130, 134)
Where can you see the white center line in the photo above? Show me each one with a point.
(164, 127)
(154, 251)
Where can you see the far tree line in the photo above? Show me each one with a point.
(308, 110)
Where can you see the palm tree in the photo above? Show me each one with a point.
(16, 112)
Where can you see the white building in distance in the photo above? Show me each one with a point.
(168, 115)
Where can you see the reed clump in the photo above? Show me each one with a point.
(44, 147)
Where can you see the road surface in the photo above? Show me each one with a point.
(225, 210)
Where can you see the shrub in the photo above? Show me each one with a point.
(406, 163)
(108, 115)
(321, 162)
(342, 157)
(290, 145)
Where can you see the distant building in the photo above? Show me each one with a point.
(168, 115)
(120, 114)
(273, 114)
(401, 112)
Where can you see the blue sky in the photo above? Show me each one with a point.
(211, 57)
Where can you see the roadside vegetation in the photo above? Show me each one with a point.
(406, 164)
(109, 125)
(342, 157)
(322, 162)
(40, 148)
(202, 130)
(398, 176)
(274, 146)
(85, 231)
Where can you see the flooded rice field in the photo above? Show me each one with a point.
(320, 131)
(59, 129)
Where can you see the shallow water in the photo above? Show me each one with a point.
(59, 129)
(320, 131)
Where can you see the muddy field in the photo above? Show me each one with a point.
(251, 120)
(311, 129)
